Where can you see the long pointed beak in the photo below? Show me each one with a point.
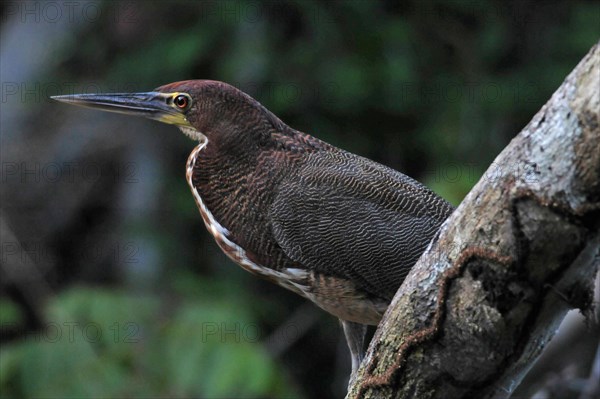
(153, 105)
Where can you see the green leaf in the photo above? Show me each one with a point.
(10, 313)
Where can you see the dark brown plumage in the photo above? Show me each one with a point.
(337, 228)
(293, 201)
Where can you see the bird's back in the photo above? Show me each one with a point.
(342, 214)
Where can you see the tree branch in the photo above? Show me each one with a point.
(519, 252)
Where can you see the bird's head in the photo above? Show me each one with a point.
(200, 108)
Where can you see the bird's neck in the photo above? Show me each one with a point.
(236, 183)
(222, 165)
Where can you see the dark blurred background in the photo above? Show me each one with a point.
(111, 287)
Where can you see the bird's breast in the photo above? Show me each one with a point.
(292, 279)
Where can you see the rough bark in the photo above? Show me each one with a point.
(519, 252)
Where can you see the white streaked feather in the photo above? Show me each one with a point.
(286, 278)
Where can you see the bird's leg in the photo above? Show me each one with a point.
(356, 337)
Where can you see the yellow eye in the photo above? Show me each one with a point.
(182, 101)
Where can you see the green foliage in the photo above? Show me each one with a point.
(10, 314)
(104, 343)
